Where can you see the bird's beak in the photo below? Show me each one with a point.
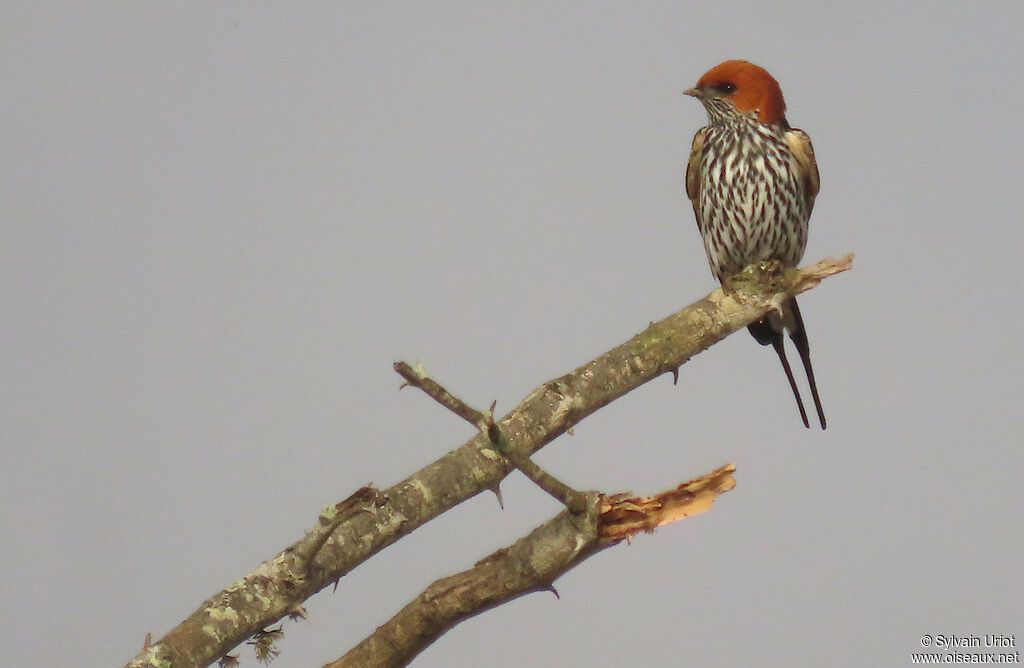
(694, 92)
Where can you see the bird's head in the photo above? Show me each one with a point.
(737, 87)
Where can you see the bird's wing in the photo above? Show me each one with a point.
(693, 167)
(800, 144)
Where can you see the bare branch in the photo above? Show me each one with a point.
(484, 421)
(529, 565)
(279, 585)
(418, 378)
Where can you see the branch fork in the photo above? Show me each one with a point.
(498, 440)
(349, 533)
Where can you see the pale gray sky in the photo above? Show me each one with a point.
(222, 222)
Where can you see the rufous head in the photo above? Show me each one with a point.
(750, 89)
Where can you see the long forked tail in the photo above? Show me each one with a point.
(770, 330)
(799, 336)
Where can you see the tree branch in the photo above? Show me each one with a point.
(484, 421)
(378, 518)
(530, 564)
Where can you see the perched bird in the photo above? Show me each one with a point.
(752, 180)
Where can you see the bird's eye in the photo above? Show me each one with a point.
(726, 88)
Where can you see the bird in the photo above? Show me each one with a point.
(752, 180)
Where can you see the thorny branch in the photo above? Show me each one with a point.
(531, 564)
(484, 421)
(380, 517)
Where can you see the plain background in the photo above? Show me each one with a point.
(222, 222)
